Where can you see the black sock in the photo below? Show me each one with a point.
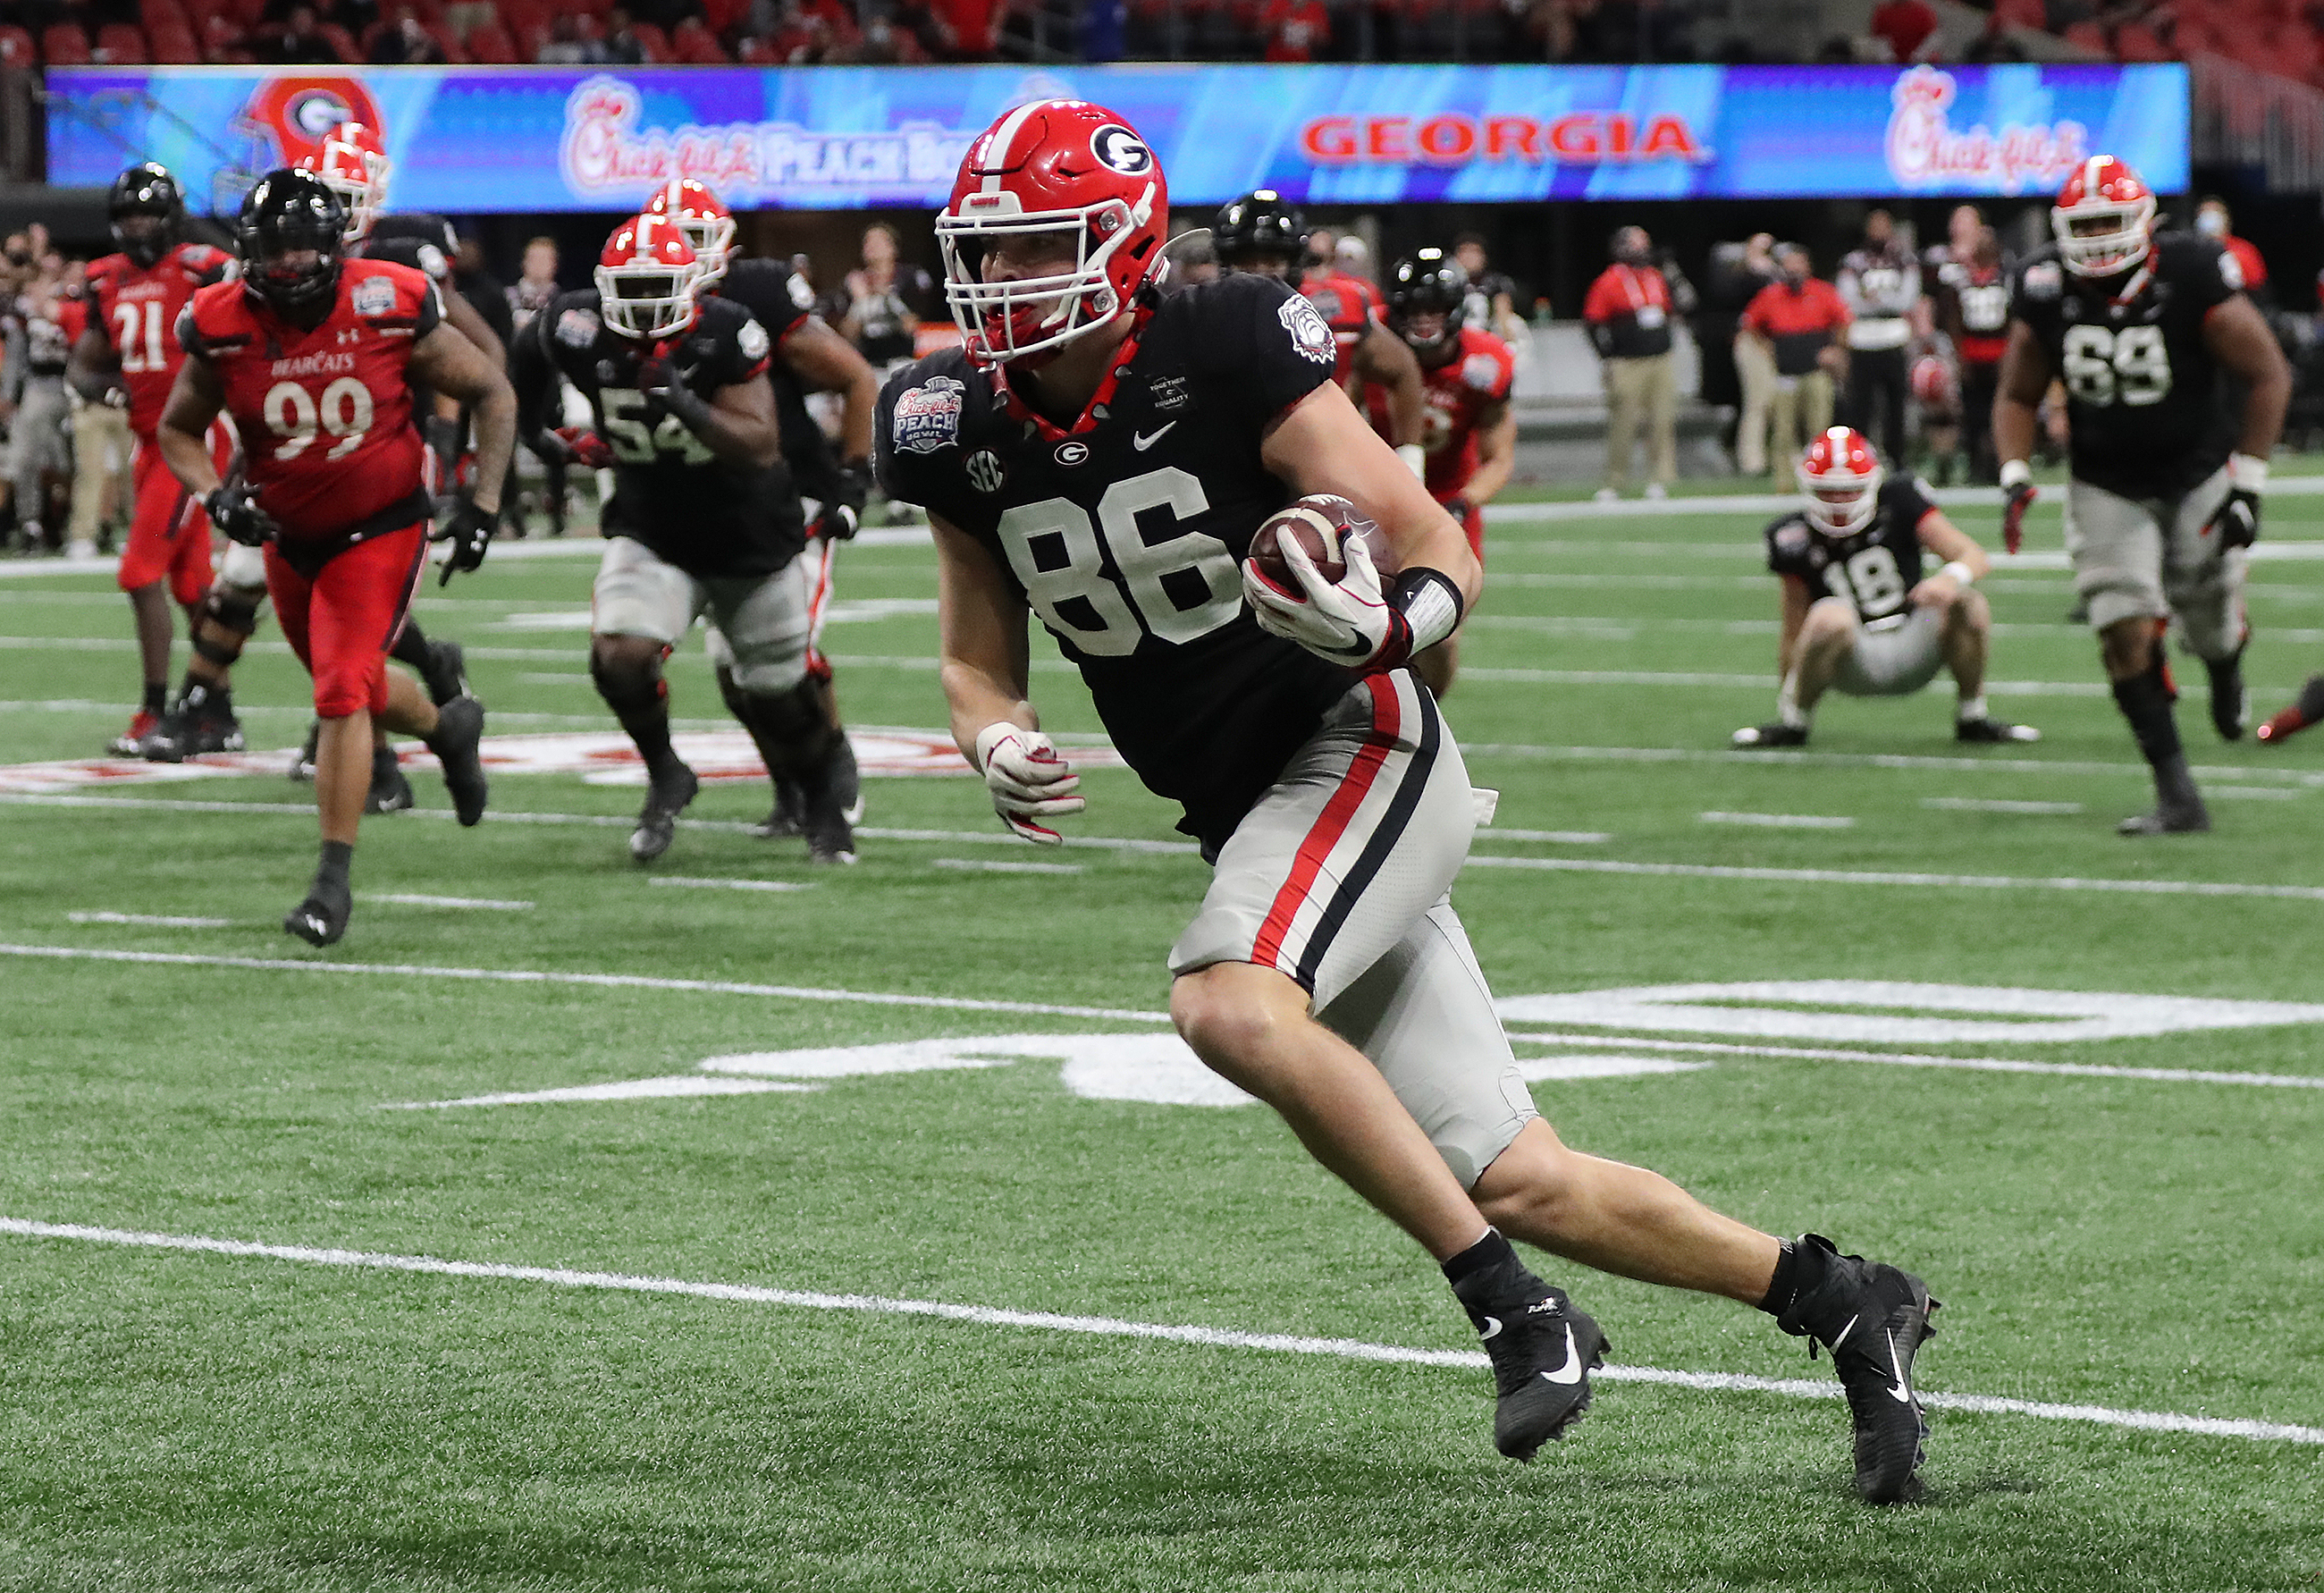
(1490, 1251)
(1786, 1287)
(337, 855)
(411, 647)
(157, 696)
(221, 701)
(2145, 701)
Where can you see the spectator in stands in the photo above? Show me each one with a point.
(1323, 249)
(1881, 284)
(460, 16)
(567, 46)
(1907, 27)
(1294, 30)
(1803, 322)
(1962, 226)
(301, 42)
(884, 300)
(405, 42)
(2215, 221)
(1628, 312)
(623, 48)
(1972, 308)
(1736, 369)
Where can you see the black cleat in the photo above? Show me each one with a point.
(831, 806)
(787, 817)
(1873, 1318)
(666, 798)
(131, 743)
(1990, 730)
(2168, 818)
(1757, 737)
(1542, 1349)
(2230, 698)
(322, 917)
(302, 761)
(459, 733)
(447, 675)
(389, 791)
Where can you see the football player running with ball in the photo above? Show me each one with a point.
(704, 517)
(2163, 492)
(1858, 614)
(1101, 456)
(314, 356)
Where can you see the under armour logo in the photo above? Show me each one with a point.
(350, 335)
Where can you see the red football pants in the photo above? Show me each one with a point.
(168, 534)
(342, 622)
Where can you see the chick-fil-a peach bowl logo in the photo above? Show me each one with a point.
(1925, 149)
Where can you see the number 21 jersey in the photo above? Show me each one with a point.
(1126, 535)
(2143, 390)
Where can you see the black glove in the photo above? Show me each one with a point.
(843, 511)
(2238, 520)
(661, 377)
(469, 530)
(233, 510)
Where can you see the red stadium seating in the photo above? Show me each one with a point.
(754, 52)
(517, 15)
(159, 13)
(63, 44)
(340, 41)
(122, 44)
(17, 47)
(174, 45)
(694, 45)
(722, 15)
(489, 45)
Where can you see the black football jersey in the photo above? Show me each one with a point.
(2143, 396)
(1876, 569)
(422, 241)
(1127, 534)
(707, 516)
(778, 300)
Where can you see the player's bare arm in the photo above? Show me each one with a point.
(1384, 359)
(983, 653)
(1961, 561)
(1323, 444)
(2024, 383)
(468, 324)
(737, 422)
(827, 362)
(446, 361)
(194, 403)
(1496, 454)
(2239, 339)
(1796, 602)
(93, 370)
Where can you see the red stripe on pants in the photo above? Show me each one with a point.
(1332, 824)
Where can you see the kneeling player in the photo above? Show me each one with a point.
(314, 356)
(703, 518)
(1858, 616)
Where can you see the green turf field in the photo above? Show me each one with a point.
(937, 1085)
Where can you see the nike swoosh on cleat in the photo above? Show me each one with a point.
(1493, 1328)
(1143, 442)
(1571, 1372)
(1842, 1337)
(1901, 1392)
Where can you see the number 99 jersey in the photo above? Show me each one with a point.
(1876, 569)
(1126, 534)
(325, 412)
(710, 517)
(2143, 392)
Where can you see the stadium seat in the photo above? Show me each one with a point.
(529, 38)
(122, 44)
(174, 45)
(2136, 42)
(489, 45)
(17, 47)
(2022, 14)
(755, 52)
(63, 44)
(340, 41)
(247, 13)
(695, 45)
(719, 14)
(156, 13)
(653, 41)
(517, 15)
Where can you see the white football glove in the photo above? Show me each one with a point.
(1349, 622)
(1027, 780)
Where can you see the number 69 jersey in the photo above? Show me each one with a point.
(1876, 569)
(323, 412)
(2142, 392)
(1126, 535)
(710, 517)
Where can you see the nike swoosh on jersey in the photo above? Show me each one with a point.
(1571, 1372)
(1142, 442)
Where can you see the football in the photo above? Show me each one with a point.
(1319, 523)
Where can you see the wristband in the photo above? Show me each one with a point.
(1416, 459)
(2246, 473)
(1963, 576)
(2015, 474)
(1430, 603)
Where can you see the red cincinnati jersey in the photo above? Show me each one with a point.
(325, 414)
(1349, 306)
(136, 309)
(1458, 394)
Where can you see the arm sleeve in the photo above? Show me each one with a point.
(429, 311)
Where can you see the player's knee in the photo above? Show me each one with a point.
(1534, 1187)
(1831, 623)
(340, 694)
(2127, 647)
(627, 669)
(1223, 1016)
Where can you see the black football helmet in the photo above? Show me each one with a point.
(146, 190)
(1427, 281)
(290, 212)
(1261, 226)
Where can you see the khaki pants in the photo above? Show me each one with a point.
(101, 451)
(1641, 390)
(1754, 369)
(1800, 409)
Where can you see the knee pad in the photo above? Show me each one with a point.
(229, 615)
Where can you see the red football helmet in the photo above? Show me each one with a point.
(353, 164)
(2104, 218)
(1055, 166)
(708, 225)
(285, 121)
(1840, 476)
(647, 277)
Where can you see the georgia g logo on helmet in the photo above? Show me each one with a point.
(1118, 149)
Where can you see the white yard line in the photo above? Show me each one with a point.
(1887, 877)
(1354, 1349)
(1763, 682)
(151, 920)
(1559, 837)
(634, 982)
(1918, 762)
(2001, 804)
(688, 882)
(1780, 821)
(995, 866)
(1975, 1064)
(409, 898)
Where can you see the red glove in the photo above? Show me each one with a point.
(584, 447)
(2017, 483)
